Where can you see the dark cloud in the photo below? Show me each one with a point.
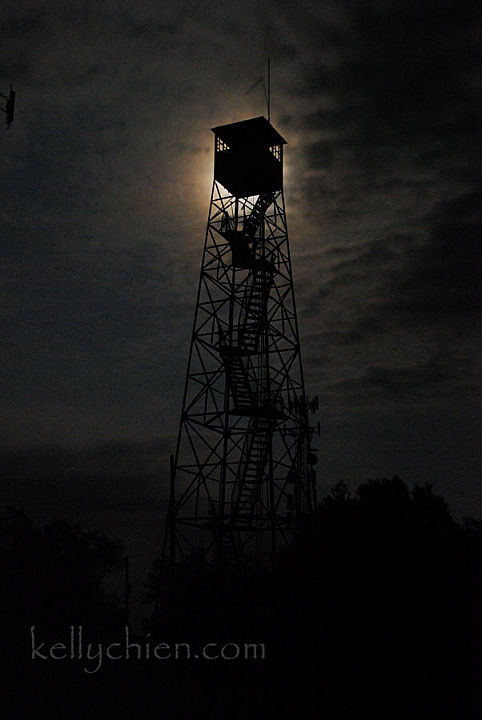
(447, 373)
(442, 278)
(396, 109)
(430, 286)
(391, 152)
(398, 65)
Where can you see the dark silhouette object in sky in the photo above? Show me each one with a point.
(9, 108)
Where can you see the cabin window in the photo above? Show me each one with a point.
(220, 145)
(276, 151)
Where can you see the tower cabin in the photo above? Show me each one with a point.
(248, 157)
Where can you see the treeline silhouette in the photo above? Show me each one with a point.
(373, 613)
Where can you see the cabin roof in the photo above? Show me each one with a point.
(256, 131)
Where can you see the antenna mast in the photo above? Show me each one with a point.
(269, 90)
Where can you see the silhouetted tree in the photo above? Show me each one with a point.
(54, 576)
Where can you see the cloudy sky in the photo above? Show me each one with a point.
(105, 180)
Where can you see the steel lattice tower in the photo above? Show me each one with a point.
(240, 476)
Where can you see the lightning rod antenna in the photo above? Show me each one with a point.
(269, 90)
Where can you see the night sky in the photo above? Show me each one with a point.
(105, 181)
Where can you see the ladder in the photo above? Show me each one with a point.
(252, 476)
(254, 313)
(255, 218)
(243, 396)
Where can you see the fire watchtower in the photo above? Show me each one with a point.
(240, 476)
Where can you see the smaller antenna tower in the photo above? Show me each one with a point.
(9, 108)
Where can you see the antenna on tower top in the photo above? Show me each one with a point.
(269, 90)
(266, 84)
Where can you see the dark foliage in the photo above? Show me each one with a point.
(54, 576)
